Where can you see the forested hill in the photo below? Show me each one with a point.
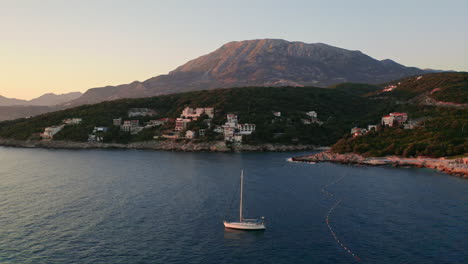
(439, 130)
(451, 87)
(438, 106)
(338, 109)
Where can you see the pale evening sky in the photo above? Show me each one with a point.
(63, 46)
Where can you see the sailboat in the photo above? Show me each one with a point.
(245, 224)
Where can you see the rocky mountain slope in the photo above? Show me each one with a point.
(262, 62)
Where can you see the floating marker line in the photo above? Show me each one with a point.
(327, 218)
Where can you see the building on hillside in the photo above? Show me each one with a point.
(97, 135)
(189, 134)
(134, 112)
(311, 118)
(72, 121)
(312, 114)
(181, 123)
(117, 121)
(394, 119)
(228, 132)
(372, 127)
(100, 129)
(132, 126)
(277, 114)
(387, 120)
(158, 122)
(246, 129)
(233, 130)
(231, 120)
(194, 113)
(356, 131)
(49, 132)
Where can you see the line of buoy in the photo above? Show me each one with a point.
(327, 219)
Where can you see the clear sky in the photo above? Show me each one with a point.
(63, 45)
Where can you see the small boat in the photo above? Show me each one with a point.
(245, 224)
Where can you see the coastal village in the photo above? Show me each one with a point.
(193, 123)
(394, 119)
(231, 131)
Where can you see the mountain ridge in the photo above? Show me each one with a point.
(260, 62)
(47, 99)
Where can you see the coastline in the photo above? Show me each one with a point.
(168, 145)
(449, 166)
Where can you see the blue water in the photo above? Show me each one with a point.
(96, 206)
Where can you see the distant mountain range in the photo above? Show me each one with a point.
(48, 99)
(262, 62)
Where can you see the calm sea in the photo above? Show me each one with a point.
(100, 206)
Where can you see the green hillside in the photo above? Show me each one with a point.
(446, 87)
(444, 134)
(339, 109)
(442, 131)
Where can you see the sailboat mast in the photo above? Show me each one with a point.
(241, 194)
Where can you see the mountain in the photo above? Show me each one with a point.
(4, 101)
(261, 62)
(48, 99)
(11, 108)
(21, 111)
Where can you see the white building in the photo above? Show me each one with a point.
(158, 122)
(394, 118)
(246, 129)
(49, 132)
(231, 121)
(132, 126)
(356, 131)
(228, 132)
(312, 114)
(97, 134)
(72, 121)
(189, 134)
(189, 112)
(277, 114)
(133, 112)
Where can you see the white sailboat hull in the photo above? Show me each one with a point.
(244, 225)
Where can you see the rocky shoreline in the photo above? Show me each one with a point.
(169, 145)
(457, 167)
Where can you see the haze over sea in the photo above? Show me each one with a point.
(101, 206)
